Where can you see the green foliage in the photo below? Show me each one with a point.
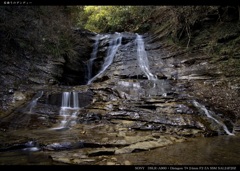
(114, 18)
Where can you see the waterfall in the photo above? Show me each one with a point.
(114, 44)
(69, 109)
(69, 103)
(209, 115)
(66, 100)
(143, 59)
(34, 100)
(93, 57)
(159, 86)
(75, 100)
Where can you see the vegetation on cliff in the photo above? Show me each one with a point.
(115, 18)
(35, 29)
(212, 30)
(215, 29)
(38, 29)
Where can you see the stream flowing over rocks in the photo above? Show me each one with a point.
(133, 95)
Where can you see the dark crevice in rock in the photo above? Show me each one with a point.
(14, 147)
(143, 77)
(139, 150)
(151, 107)
(101, 153)
(73, 72)
(95, 145)
(63, 146)
(20, 146)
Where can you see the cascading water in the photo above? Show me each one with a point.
(75, 100)
(34, 100)
(144, 66)
(112, 49)
(67, 103)
(66, 100)
(143, 59)
(69, 109)
(209, 115)
(93, 57)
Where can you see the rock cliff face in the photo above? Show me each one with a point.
(23, 71)
(150, 94)
(204, 41)
(123, 110)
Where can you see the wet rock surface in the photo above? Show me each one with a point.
(122, 112)
(28, 72)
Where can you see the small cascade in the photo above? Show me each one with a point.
(75, 100)
(159, 86)
(209, 115)
(69, 109)
(67, 102)
(114, 44)
(33, 102)
(93, 57)
(143, 59)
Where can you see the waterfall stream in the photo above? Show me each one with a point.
(210, 115)
(69, 103)
(114, 43)
(143, 63)
(143, 59)
(34, 100)
(93, 57)
(69, 109)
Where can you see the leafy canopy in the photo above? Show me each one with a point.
(114, 18)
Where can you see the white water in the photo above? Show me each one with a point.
(75, 100)
(67, 102)
(34, 100)
(209, 115)
(112, 49)
(159, 86)
(69, 109)
(93, 57)
(143, 58)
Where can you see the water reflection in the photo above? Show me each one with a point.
(220, 150)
